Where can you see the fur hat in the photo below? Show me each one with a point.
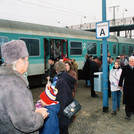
(49, 96)
(13, 50)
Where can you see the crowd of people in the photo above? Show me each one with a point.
(17, 111)
(120, 79)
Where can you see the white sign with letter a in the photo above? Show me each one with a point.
(102, 30)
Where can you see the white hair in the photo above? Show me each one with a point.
(131, 58)
(14, 65)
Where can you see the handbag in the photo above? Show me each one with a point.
(71, 109)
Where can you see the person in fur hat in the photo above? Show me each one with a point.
(17, 113)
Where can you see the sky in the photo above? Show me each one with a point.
(63, 13)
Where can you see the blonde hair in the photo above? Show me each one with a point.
(59, 66)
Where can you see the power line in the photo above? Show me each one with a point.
(62, 7)
(55, 9)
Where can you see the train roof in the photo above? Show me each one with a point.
(125, 40)
(9, 26)
(37, 29)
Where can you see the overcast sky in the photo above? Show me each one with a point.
(63, 12)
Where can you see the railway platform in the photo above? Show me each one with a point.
(91, 119)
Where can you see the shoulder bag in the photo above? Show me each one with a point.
(72, 109)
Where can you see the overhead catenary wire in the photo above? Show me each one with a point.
(69, 11)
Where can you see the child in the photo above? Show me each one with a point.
(114, 77)
(51, 124)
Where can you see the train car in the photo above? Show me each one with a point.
(125, 45)
(74, 44)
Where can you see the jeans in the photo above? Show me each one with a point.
(116, 97)
(88, 83)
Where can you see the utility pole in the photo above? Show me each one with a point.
(114, 13)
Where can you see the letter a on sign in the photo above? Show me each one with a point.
(102, 30)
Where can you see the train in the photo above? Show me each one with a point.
(74, 44)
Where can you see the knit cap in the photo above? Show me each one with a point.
(49, 95)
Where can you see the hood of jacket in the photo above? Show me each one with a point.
(69, 79)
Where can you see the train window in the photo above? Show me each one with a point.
(32, 46)
(107, 48)
(91, 48)
(114, 48)
(123, 50)
(75, 48)
(130, 50)
(3, 40)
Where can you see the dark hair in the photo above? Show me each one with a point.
(117, 57)
(90, 56)
(95, 57)
(51, 58)
(111, 58)
(121, 54)
(67, 62)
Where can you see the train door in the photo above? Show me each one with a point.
(58, 48)
(46, 53)
(64, 48)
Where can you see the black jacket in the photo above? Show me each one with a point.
(86, 69)
(128, 88)
(94, 68)
(65, 84)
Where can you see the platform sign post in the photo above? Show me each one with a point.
(102, 32)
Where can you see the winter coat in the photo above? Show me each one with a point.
(65, 84)
(51, 123)
(114, 77)
(94, 68)
(74, 75)
(17, 114)
(127, 76)
(51, 72)
(86, 69)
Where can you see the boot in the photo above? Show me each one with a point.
(128, 117)
(113, 113)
